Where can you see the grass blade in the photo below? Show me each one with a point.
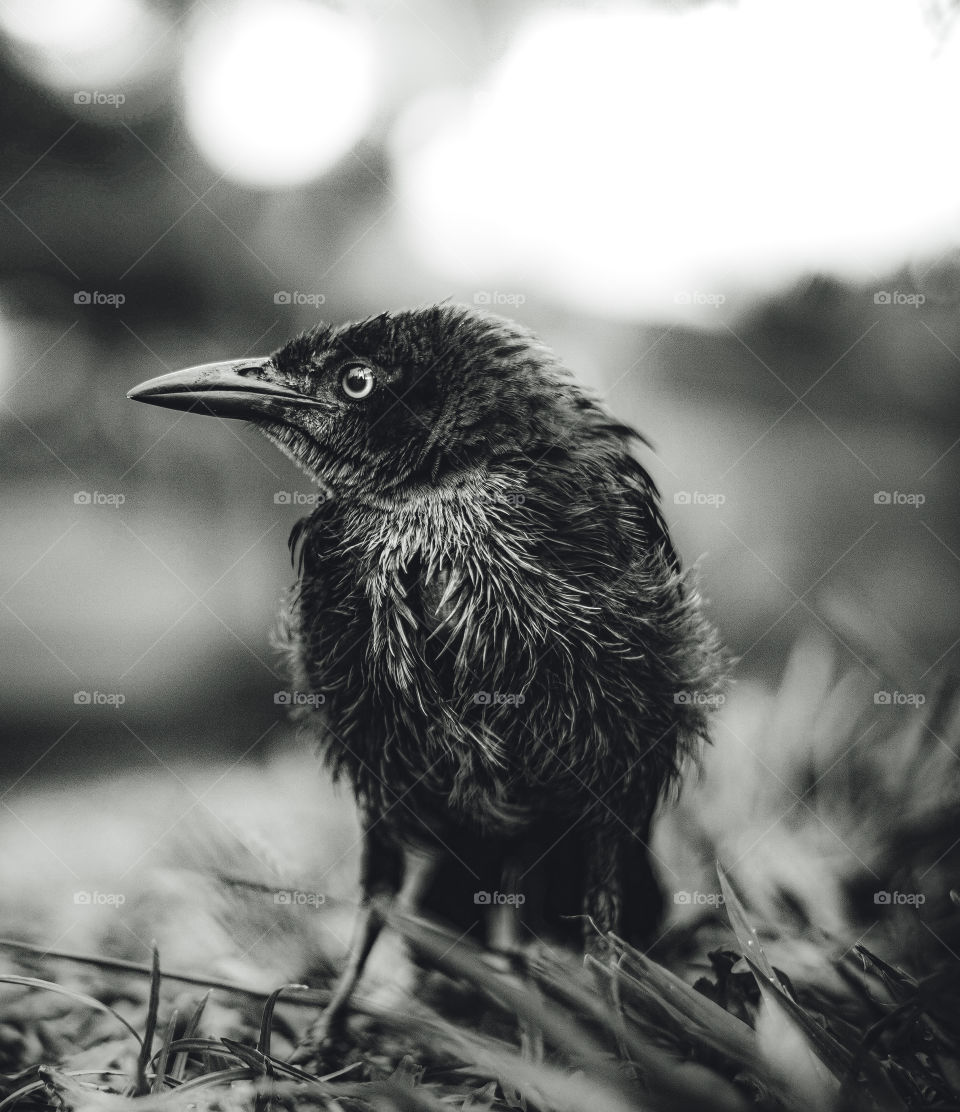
(80, 997)
(160, 1072)
(746, 935)
(153, 1005)
(193, 1026)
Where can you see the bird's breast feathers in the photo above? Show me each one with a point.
(490, 641)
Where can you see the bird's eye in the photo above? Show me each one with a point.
(356, 380)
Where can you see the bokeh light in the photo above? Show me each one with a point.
(276, 93)
(90, 47)
(631, 160)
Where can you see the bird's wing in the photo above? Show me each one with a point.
(642, 493)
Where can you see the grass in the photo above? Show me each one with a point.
(789, 988)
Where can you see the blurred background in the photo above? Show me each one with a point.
(737, 222)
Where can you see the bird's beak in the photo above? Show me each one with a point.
(236, 388)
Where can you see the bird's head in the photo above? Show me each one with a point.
(391, 402)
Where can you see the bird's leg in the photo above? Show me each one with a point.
(366, 930)
(419, 867)
(506, 936)
(379, 874)
(621, 893)
(601, 904)
(504, 921)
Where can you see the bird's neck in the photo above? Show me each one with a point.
(468, 489)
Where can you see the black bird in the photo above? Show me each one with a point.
(513, 665)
